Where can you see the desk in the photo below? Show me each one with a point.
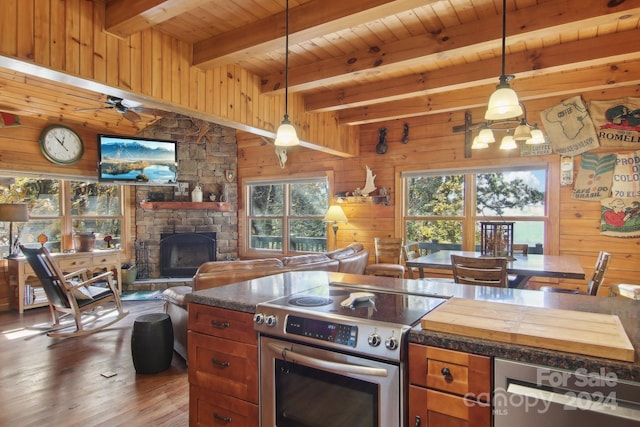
(524, 267)
(24, 279)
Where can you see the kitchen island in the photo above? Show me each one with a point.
(441, 349)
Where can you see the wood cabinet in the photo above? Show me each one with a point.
(448, 388)
(25, 284)
(223, 367)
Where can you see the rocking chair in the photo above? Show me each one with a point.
(75, 295)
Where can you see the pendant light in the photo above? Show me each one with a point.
(503, 103)
(286, 135)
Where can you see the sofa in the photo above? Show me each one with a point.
(350, 259)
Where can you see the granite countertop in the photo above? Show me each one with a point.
(243, 296)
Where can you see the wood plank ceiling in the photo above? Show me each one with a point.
(376, 60)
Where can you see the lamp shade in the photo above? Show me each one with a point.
(286, 135)
(478, 144)
(13, 212)
(486, 136)
(503, 104)
(522, 132)
(508, 143)
(537, 137)
(335, 214)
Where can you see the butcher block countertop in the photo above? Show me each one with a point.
(592, 334)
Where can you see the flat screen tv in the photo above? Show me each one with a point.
(137, 160)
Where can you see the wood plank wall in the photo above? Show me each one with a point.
(69, 36)
(433, 145)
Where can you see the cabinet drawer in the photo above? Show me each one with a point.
(430, 408)
(69, 264)
(208, 408)
(223, 323)
(106, 259)
(228, 367)
(450, 371)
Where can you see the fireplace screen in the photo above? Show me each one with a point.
(182, 253)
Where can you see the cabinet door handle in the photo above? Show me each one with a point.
(221, 418)
(220, 325)
(418, 421)
(446, 373)
(220, 363)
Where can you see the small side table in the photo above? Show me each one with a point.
(152, 343)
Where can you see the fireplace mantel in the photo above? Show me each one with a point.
(214, 206)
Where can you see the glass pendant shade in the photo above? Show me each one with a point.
(522, 132)
(478, 144)
(286, 135)
(508, 143)
(503, 104)
(486, 136)
(537, 137)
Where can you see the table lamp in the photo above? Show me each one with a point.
(335, 214)
(13, 212)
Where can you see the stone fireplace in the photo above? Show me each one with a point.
(203, 158)
(182, 253)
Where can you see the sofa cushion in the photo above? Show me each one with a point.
(218, 273)
(293, 262)
(346, 251)
(355, 263)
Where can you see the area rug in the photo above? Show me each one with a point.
(140, 295)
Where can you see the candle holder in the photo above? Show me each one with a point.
(496, 239)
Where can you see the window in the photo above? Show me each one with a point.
(92, 207)
(443, 209)
(291, 208)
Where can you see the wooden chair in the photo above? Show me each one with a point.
(412, 251)
(388, 258)
(485, 271)
(594, 283)
(75, 295)
(520, 249)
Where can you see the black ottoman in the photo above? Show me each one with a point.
(152, 343)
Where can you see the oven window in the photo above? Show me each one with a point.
(308, 397)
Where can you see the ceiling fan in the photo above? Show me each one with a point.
(126, 107)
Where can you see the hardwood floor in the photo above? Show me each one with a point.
(57, 381)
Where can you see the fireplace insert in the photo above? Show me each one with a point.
(182, 253)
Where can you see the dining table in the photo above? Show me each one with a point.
(523, 267)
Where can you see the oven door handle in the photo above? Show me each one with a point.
(604, 404)
(289, 355)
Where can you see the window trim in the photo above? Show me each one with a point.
(550, 162)
(244, 249)
(66, 218)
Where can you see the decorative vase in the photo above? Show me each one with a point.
(196, 194)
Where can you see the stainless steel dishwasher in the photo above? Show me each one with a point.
(528, 395)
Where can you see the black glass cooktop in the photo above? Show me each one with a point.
(391, 307)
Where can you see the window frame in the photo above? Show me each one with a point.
(285, 249)
(65, 216)
(552, 207)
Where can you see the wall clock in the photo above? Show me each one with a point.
(61, 145)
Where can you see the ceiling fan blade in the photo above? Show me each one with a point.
(80, 110)
(132, 116)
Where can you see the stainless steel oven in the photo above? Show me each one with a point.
(327, 359)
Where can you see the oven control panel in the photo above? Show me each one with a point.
(337, 333)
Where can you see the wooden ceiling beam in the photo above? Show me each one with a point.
(307, 21)
(522, 25)
(125, 17)
(606, 76)
(565, 57)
